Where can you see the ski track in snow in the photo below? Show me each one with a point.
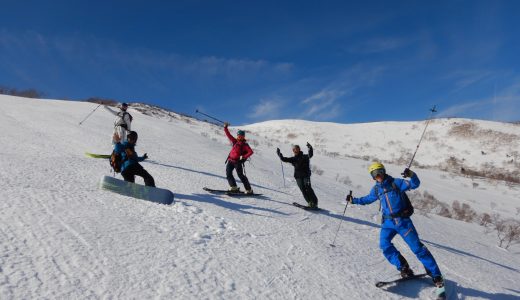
(63, 238)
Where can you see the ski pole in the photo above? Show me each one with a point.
(90, 113)
(199, 112)
(350, 194)
(283, 174)
(424, 131)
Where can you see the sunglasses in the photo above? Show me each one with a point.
(378, 172)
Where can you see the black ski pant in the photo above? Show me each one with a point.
(308, 193)
(136, 169)
(240, 172)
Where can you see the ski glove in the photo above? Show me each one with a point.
(226, 124)
(407, 173)
(349, 199)
(278, 151)
(145, 156)
(309, 145)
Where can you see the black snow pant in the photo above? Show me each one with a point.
(240, 172)
(308, 193)
(136, 169)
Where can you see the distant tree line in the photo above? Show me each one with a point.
(27, 93)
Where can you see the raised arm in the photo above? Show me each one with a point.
(311, 152)
(229, 136)
(406, 185)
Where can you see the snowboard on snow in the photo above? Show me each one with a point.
(93, 155)
(125, 188)
(306, 207)
(440, 292)
(230, 193)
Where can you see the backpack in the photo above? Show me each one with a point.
(116, 161)
(124, 125)
(408, 207)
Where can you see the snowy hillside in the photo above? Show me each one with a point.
(461, 146)
(64, 238)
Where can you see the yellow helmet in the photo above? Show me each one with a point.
(375, 166)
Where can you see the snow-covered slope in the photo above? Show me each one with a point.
(63, 238)
(489, 148)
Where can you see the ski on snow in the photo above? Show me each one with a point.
(230, 193)
(306, 207)
(381, 284)
(440, 292)
(94, 155)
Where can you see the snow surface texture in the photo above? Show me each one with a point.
(64, 238)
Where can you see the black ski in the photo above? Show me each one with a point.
(230, 193)
(381, 284)
(306, 207)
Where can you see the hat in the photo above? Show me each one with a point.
(132, 135)
(124, 104)
(241, 132)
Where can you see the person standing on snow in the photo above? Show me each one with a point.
(238, 155)
(302, 173)
(130, 166)
(397, 210)
(122, 124)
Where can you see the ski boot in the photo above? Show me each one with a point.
(438, 281)
(406, 271)
(234, 189)
(249, 192)
(313, 206)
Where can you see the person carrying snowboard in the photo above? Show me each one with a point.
(302, 173)
(122, 123)
(130, 166)
(238, 155)
(397, 209)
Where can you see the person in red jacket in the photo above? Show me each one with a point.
(239, 153)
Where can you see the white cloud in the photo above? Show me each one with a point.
(322, 105)
(266, 109)
(504, 106)
(107, 54)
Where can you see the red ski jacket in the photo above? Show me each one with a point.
(240, 148)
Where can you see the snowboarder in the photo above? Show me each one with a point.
(302, 173)
(122, 124)
(396, 210)
(238, 155)
(130, 166)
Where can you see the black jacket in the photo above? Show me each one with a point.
(300, 162)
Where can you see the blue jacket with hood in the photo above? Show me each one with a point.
(128, 154)
(391, 200)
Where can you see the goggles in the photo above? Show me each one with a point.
(378, 172)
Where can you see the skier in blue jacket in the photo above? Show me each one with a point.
(396, 211)
(130, 166)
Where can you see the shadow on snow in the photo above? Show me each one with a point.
(456, 251)
(209, 174)
(215, 199)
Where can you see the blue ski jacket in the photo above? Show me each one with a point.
(391, 200)
(128, 154)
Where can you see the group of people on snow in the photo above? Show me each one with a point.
(391, 192)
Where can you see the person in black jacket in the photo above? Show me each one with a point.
(302, 173)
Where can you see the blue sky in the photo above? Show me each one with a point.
(249, 61)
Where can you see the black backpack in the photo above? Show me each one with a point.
(408, 207)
